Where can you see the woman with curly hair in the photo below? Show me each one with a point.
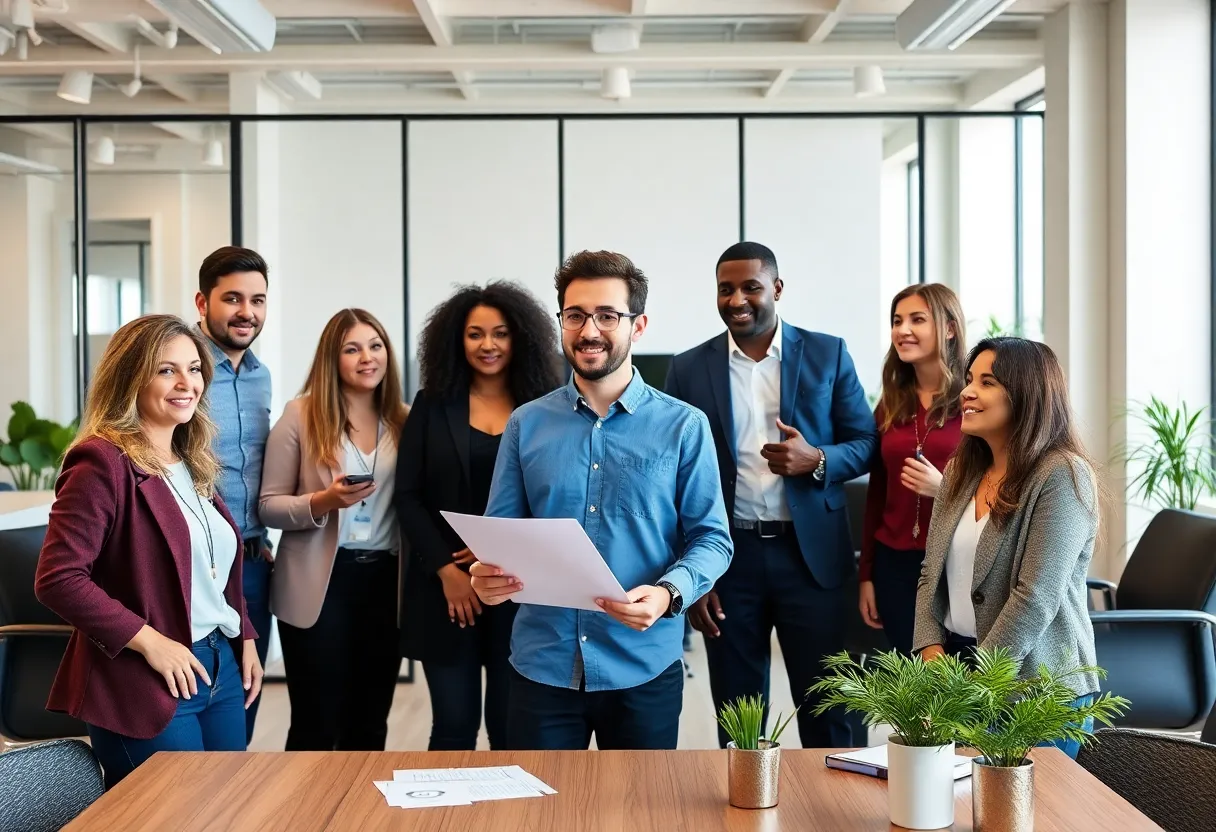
(483, 353)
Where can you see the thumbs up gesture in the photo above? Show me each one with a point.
(792, 456)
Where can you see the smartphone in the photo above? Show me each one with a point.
(357, 479)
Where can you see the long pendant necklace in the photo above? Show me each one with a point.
(201, 517)
(919, 449)
(360, 458)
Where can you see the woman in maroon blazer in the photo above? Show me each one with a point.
(140, 557)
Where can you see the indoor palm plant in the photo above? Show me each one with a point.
(753, 759)
(925, 703)
(1015, 715)
(35, 448)
(1175, 465)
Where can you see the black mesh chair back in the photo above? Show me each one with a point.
(1167, 778)
(1173, 566)
(43, 787)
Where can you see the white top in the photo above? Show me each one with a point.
(960, 572)
(755, 399)
(384, 534)
(208, 607)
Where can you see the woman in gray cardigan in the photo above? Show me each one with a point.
(1013, 528)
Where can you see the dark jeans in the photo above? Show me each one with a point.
(342, 671)
(895, 576)
(547, 718)
(767, 586)
(211, 720)
(256, 578)
(455, 685)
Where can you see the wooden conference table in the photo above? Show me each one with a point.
(627, 791)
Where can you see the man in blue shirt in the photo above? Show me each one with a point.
(637, 469)
(231, 304)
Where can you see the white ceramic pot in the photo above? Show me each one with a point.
(920, 785)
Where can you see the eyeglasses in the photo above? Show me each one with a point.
(605, 320)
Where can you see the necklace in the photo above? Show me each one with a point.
(359, 456)
(201, 517)
(920, 445)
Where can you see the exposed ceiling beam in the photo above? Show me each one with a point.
(440, 30)
(108, 37)
(175, 87)
(973, 55)
(601, 8)
(819, 26)
(779, 82)
(1001, 89)
(901, 142)
(188, 130)
(57, 133)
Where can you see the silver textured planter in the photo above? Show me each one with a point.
(1002, 797)
(754, 775)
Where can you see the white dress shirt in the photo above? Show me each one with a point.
(960, 572)
(755, 397)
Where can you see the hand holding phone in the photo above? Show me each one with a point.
(357, 479)
(343, 492)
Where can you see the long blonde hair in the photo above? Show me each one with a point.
(899, 398)
(111, 411)
(325, 415)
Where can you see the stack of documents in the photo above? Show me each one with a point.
(421, 787)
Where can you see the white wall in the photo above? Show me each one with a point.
(483, 206)
(666, 194)
(813, 194)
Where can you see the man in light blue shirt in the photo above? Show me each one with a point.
(231, 303)
(638, 470)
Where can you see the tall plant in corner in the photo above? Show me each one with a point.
(34, 449)
(1173, 469)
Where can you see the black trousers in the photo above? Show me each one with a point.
(548, 718)
(455, 684)
(895, 576)
(767, 586)
(342, 671)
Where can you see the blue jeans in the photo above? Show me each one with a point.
(256, 579)
(211, 720)
(1071, 747)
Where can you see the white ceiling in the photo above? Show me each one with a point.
(532, 56)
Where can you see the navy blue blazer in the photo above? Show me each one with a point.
(823, 399)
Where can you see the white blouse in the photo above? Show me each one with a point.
(960, 572)
(383, 534)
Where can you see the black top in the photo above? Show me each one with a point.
(483, 451)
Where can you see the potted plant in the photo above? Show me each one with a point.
(1175, 467)
(1014, 716)
(925, 703)
(35, 448)
(753, 760)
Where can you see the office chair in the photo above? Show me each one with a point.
(860, 640)
(1155, 637)
(1167, 778)
(43, 787)
(32, 642)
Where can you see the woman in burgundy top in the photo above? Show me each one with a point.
(918, 422)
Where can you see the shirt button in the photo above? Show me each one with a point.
(593, 508)
(595, 466)
(597, 424)
(584, 638)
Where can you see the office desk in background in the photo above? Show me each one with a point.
(622, 791)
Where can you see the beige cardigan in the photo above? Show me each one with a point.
(306, 550)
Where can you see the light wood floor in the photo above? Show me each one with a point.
(410, 721)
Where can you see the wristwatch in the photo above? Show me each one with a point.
(677, 601)
(821, 468)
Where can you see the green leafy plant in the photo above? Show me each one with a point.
(743, 722)
(996, 329)
(924, 702)
(1175, 467)
(1018, 714)
(35, 448)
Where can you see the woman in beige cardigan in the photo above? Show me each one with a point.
(1014, 524)
(327, 483)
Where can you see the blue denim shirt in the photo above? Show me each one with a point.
(239, 404)
(643, 482)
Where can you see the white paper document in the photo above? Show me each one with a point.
(419, 788)
(553, 558)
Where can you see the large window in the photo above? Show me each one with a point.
(1028, 275)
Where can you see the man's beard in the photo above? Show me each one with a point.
(615, 357)
(218, 330)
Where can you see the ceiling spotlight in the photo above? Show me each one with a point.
(213, 154)
(77, 87)
(103, 152)
(22, 13)
(868, 81)
(614, 83)
(132, 87)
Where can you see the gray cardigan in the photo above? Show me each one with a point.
(1029, 584)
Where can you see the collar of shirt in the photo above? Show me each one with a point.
(249, 361)
(629, 400)
(774, 349)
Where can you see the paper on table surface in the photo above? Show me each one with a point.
(420, 795)
(557, 563)
(479, 773)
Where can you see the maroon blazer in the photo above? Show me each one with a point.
(117, 557)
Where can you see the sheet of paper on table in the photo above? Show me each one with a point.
(557, 563)
(419, 788)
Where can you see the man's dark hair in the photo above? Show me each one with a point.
(228, 260)
(751, 251)
(591, 265)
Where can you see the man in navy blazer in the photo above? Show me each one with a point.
(791, 424)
